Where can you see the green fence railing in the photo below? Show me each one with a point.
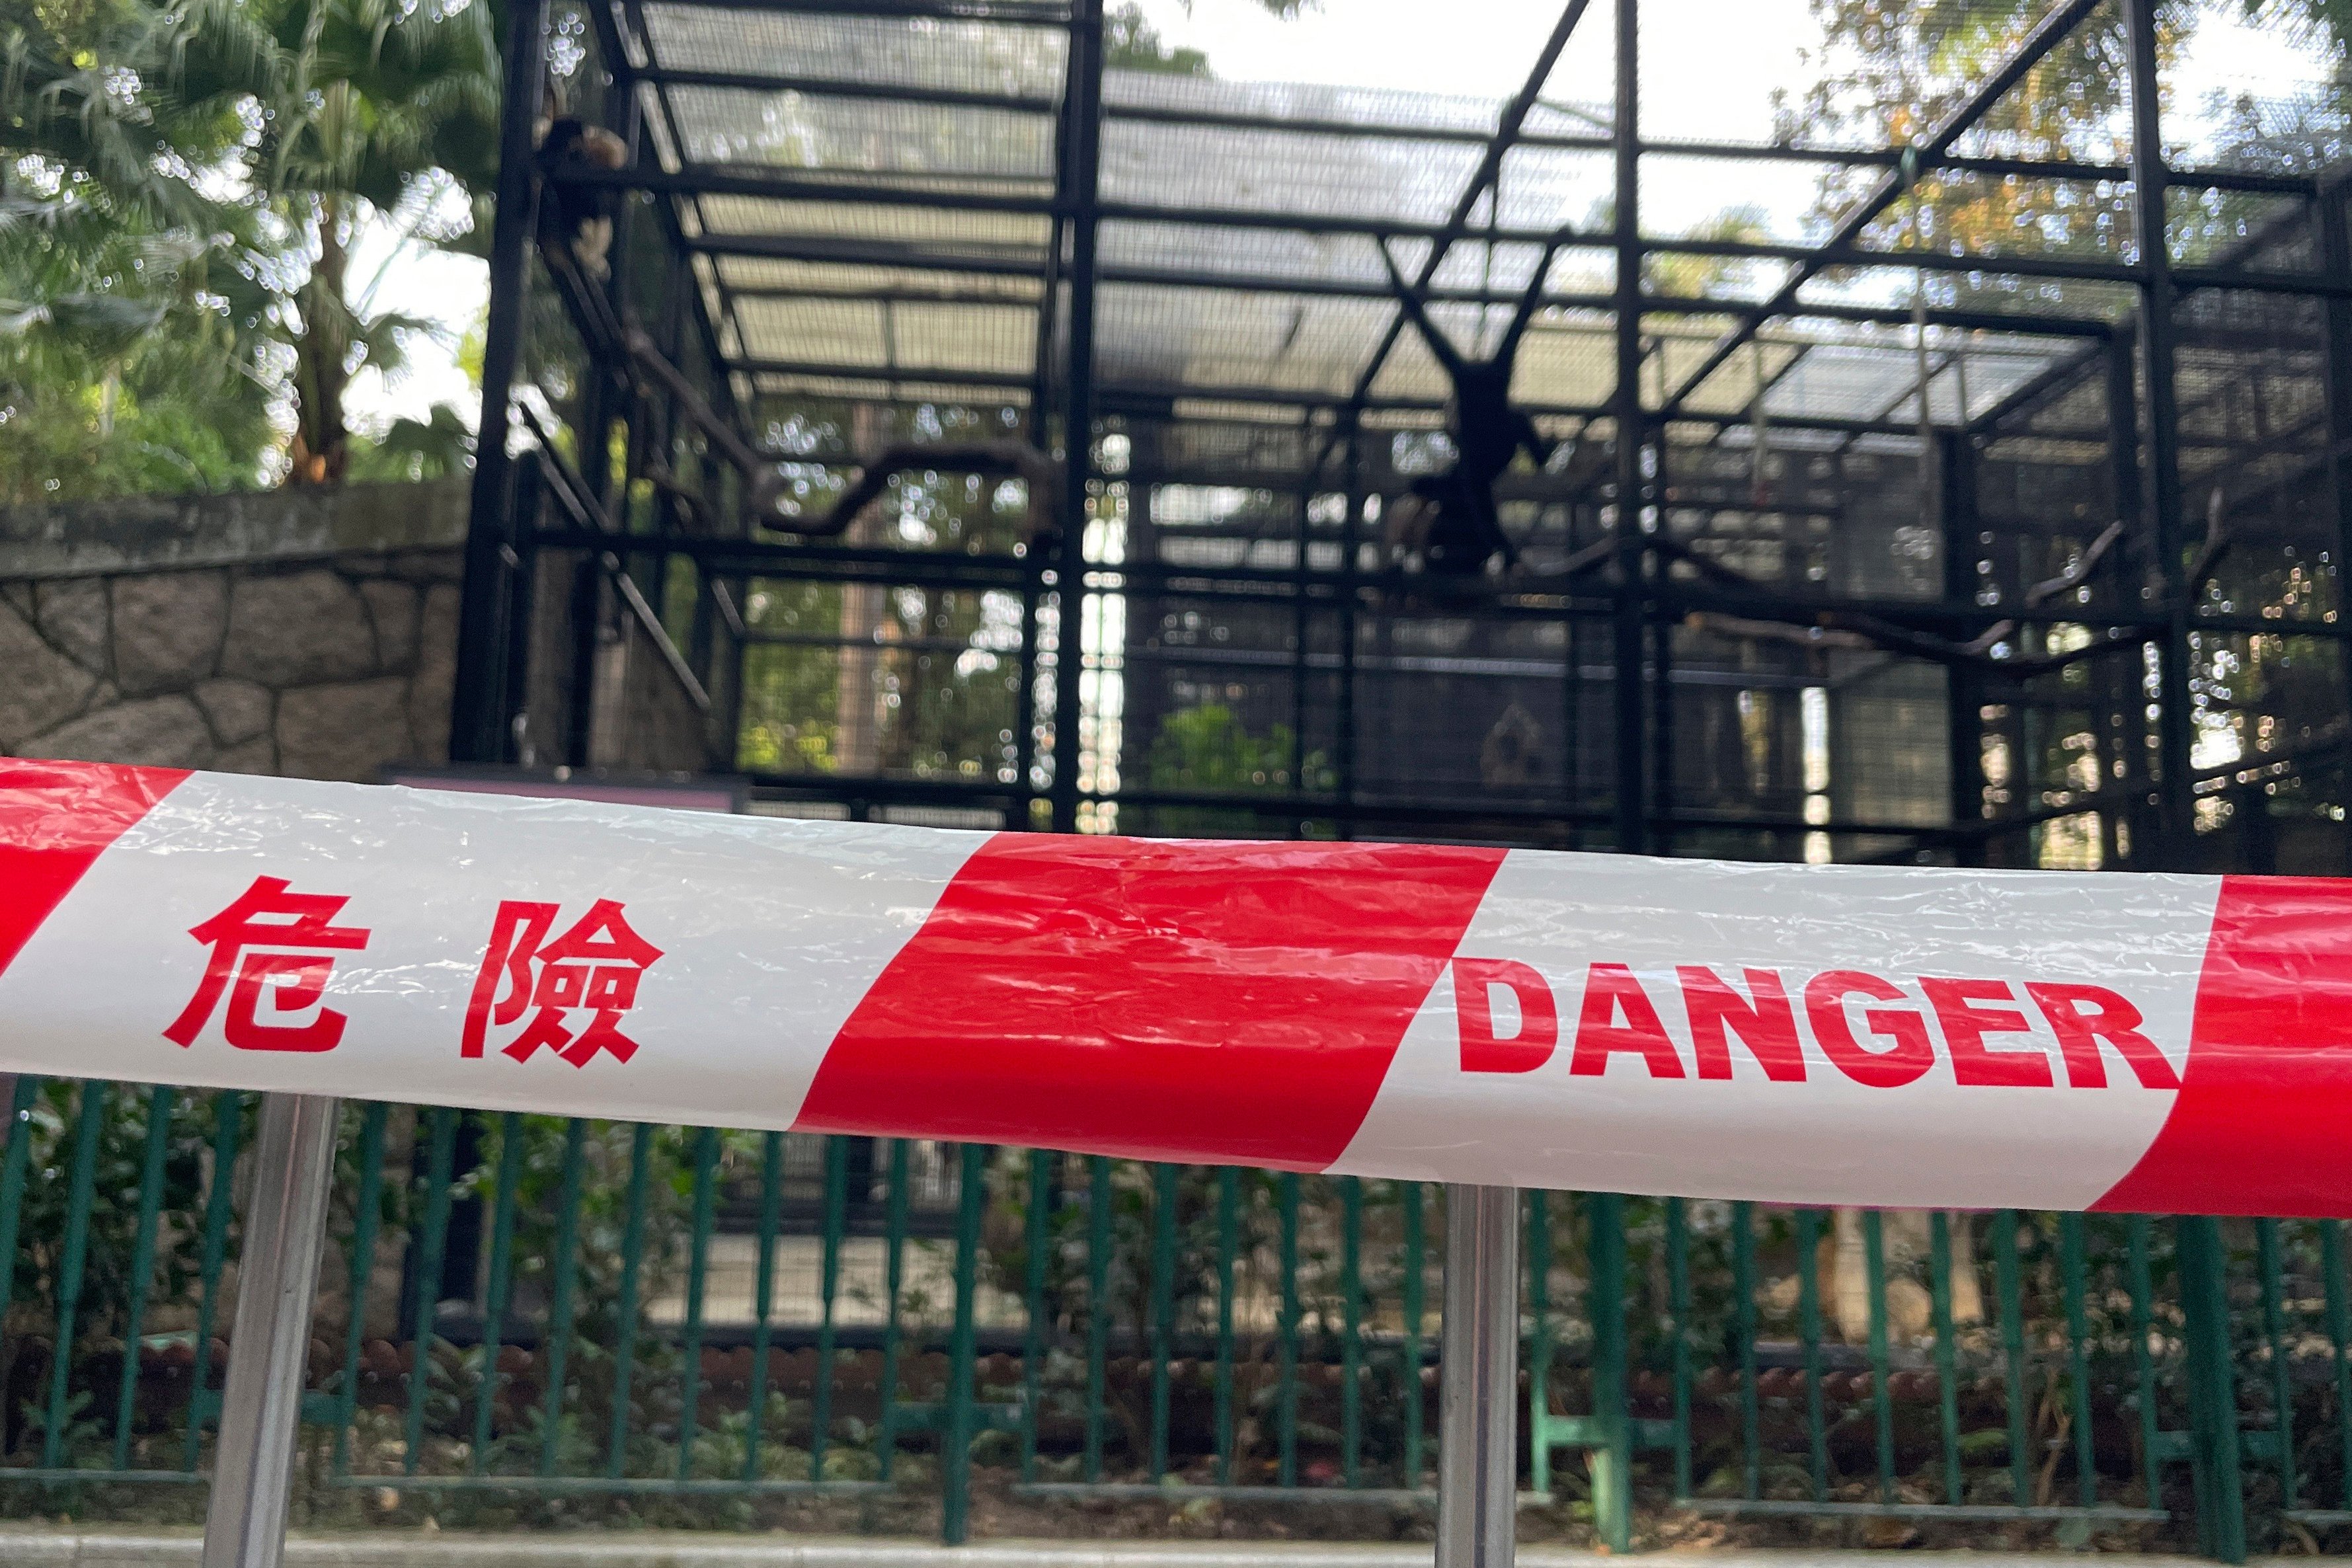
(526, 1316)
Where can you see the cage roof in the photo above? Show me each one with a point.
(885, 199)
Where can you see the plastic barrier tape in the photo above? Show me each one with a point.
(1819, 1034)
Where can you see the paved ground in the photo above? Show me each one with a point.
(39, 1548)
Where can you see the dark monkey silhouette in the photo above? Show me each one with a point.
(1451, 521)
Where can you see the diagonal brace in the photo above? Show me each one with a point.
(2046, 36)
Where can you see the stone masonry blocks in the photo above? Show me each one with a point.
(391, 607)
(258, 756)
(44, 687)
(248, 649)
(436, 674)
(161, 731)
(298, 628)
(347, 731)
(168, 629)
(238, 711)
(73, 617)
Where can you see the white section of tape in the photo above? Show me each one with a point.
(1932, 1141)
(770, 931)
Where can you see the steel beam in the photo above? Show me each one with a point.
(2046, 36)
(1006, 12)
(2333, 214)
(845, 87)
(2059, 327)
(820, 251)
(1963, 687)
(610, 391)
(1632, 554)
(2251, 182)
(1000, 380)
(1443, 238)
(609, 41)
(2158, 337)
(1084, 131)
(479, 722)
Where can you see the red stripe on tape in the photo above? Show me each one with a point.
(2260, 1125)
(1159, 1001)
(56, 820)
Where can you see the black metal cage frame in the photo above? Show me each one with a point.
(1884, 545)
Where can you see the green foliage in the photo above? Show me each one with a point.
(1131, 43)
(130, 312)
(133, 428)
(1889, 72)
(926, 682)
(1703, 275)
(84, 103)
(366, 106)
(415, 450)
(1208, 749)
(179, 187)
(49, 1223)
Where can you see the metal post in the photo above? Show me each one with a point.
(2140, 566)
(1632, 807)
(957, 1427)
(1302, 632)
(1478, 1452)
(610, 393)
(2215, 1453)
(1085, 150)
(278, 1279)
(1964, 689)
(1609, 1453)
(1343, 738)
(479, 729)
(2158, 335)
(2333, 214)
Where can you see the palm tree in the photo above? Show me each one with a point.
(129, 354)
(128, 321)
(212, 161)
(359, 101)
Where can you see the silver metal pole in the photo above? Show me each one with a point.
(1478, 1391)
(278, 1279)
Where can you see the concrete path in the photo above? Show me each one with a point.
(27, 1547)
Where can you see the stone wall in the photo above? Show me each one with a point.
(311, 634)
(306, 633)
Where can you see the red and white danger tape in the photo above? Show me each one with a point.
(1792, 1033)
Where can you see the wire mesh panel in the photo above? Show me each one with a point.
(1493, 708)
(865, 678)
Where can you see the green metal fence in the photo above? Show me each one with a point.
(527, 1314)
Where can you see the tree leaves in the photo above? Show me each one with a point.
(93, 318)
(185, 178)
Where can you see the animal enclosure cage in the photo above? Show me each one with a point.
(1982, 502)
